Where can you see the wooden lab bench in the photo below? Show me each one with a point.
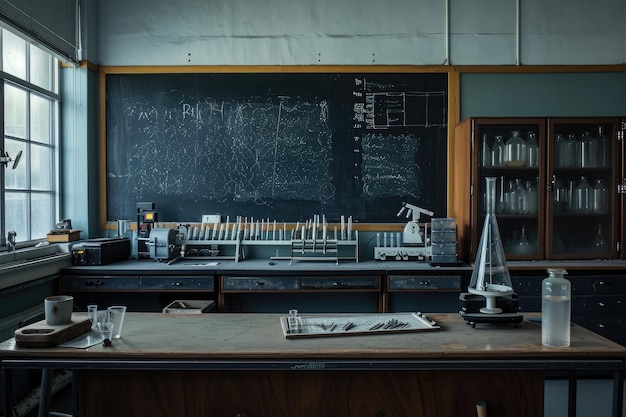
(227, 364)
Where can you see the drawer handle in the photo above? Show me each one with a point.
(338, 284)
(259, 283)
(424, 282)
(604, 283)
(605, 326)
(93, 283)
(177, 284)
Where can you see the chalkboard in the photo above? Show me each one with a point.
(283, 146)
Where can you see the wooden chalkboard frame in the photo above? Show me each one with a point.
(452, 104)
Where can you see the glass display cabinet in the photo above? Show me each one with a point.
(559, 185)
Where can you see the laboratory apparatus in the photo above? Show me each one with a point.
(490, 296)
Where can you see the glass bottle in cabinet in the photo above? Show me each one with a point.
(518, 181)
(567, 180)
(586, 226)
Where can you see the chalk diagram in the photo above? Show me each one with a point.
(388, 165)
(253, 150)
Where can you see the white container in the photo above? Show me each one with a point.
(555, 309)
(58, 309)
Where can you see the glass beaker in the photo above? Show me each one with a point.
(515, 150)
(490, 276)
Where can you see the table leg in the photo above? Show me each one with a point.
(571, 394)
(618, 392)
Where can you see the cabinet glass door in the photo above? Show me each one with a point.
(582, 201)
(513, 152)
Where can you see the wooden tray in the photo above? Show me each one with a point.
(366, 324)
(41, 334)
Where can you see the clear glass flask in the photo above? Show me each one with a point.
(555, 309)
(490, 276)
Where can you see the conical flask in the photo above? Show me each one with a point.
(490, 277)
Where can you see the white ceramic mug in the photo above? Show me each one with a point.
(58, 309)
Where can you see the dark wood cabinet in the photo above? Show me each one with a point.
(567, 202)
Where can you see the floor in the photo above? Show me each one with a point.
(594, 399)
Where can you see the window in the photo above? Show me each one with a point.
(30, 97)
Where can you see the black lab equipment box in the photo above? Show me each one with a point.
(101, 251)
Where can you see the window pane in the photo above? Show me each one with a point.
(41, 172)
(14, 111)
(13, 54)
(40, 119)
(16, 178)
(41, 68)
(41, 215)
(17, 215)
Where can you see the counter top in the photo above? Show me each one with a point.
(225, 336)
(265, 266)
(283, 267)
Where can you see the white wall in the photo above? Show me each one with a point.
(353, 32)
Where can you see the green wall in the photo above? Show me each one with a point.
(543, 94)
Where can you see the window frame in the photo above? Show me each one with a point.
(54, 120)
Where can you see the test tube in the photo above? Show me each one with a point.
(378, 239)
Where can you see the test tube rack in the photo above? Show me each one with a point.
(323, 249)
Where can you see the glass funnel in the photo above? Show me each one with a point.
(490, 277)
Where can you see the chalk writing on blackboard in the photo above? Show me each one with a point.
(284, 146)
(389, 166)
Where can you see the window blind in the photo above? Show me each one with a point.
(52, 23)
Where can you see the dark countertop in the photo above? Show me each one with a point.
(346, 267)
(265, 266)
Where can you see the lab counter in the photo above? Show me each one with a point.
(273, 285)
(242, 364)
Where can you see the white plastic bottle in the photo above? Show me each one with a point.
(555, 309)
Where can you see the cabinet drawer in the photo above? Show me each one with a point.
(334, 283)
(527, 285)
(100, 283)
(604, 304)
(425, 282)
(612, 327)
(599, 284)
(234, 283)
(174, 283)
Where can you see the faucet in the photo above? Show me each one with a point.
(11, 241)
